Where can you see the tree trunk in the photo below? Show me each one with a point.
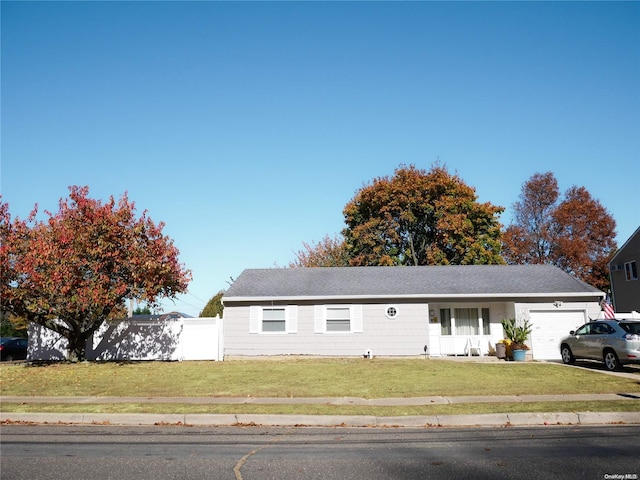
(77, 351)
(413, 250)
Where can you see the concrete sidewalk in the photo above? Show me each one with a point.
(489, 420)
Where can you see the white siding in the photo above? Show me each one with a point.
(404, 335)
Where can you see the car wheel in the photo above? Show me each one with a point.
(567, 355)
(611, 361)
(9, 358)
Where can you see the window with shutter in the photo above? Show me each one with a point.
(274, 319)
(338, 319)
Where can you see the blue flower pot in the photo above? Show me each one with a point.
(519, 355)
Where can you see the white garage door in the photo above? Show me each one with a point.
(549, 327)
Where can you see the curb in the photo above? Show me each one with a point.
(484, 420)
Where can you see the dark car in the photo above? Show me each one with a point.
(613, 342)
(13, 348)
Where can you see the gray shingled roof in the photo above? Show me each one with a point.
(407, 282)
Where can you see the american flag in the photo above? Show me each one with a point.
(608, 308)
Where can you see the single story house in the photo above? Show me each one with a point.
(623, 272)
(401, 311)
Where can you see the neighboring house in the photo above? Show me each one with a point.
(401, 311)
(623, 271)
(171, 336)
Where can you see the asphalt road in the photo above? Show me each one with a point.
(249, 453)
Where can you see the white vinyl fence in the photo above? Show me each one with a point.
(132, 339)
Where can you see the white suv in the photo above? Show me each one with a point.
(614, 342)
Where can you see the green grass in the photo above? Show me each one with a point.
(396, 411)
(377, 378)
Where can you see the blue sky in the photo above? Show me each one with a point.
(246, 127)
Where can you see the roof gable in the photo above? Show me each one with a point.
(406, 282)
(622, 250)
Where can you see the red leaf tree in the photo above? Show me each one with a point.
(575, 233)
(77, 268)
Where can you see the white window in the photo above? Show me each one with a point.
(338, 318)
(465, 321)
(630, 270)
(445, 321)
(273, 319)
(486, 321)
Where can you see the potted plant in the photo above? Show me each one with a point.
(517, 336)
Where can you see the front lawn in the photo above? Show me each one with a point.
(377, 378)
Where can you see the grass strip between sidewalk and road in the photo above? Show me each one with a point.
(287, 409)
(319, 378)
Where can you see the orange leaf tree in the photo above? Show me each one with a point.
(575, 233)
(329, 252)
(74, 270)
(421, 218)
